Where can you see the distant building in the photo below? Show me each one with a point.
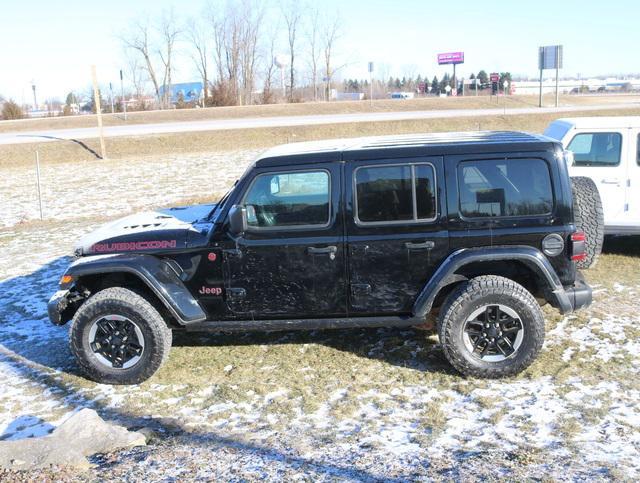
(187, 91)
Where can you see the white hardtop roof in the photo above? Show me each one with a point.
(602, 122)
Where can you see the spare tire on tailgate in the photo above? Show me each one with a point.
(588, 217)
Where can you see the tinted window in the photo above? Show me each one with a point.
(519, 187)
(638, 150)
(288, 199)
(425, 192)
(596, 149)
(395, 193)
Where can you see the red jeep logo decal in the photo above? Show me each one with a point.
(133, 246)
(216, 291)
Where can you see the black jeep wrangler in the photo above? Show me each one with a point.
(474, 228)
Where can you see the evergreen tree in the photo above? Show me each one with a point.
(446, 81)
(435, 85)
(483, 77)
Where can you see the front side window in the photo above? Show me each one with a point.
(395, 193)
(298, 198)
(596, 149)
(497, 188)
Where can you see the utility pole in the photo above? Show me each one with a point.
(96, 97)
(38, 182)
(540, 99)
(124, 104)
(111, 97)
(370, 84)
(558, 53)
(35, 101)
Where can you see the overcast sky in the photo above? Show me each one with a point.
(54, 43)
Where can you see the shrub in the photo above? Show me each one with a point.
(11, 110)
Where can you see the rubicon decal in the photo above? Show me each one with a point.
(133, 246)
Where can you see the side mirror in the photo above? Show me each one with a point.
(237, 219)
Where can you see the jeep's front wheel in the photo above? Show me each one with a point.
(118, 337)
(491, 327)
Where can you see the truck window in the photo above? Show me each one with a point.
(395, 193)
(289, 199)
(596, 149)
(498, 188)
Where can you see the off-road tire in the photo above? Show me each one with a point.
(473, 294)
(589, 218)
(124, 302)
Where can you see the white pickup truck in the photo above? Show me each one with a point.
(606, 150)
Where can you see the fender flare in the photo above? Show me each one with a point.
(530, 256)
(161, 276)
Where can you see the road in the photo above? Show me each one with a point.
(283, 121)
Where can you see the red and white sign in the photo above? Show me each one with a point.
(494, 77)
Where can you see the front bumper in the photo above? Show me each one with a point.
(57, 307)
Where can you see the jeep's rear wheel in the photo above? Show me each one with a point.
(118, 337)
(491, 327)
(588, 218)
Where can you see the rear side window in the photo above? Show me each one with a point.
(596, 149)
(496, 188)
(288, 199)
(395, 193)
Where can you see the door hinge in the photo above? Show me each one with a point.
(232, 252)
(236, 293)
(359, 289)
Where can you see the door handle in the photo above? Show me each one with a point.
(330, 250)
(611, 181)
(425, 245)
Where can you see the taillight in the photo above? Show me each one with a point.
(578, 246)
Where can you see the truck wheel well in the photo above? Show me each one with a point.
(96, 282)
(512, 269)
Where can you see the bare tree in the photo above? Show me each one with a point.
(313, 33)
(251, 16)
(331, 31)
(291, 14)
(236, 40)
(169, 32)
(138, 39)
(137, 77)
(270, 66)
(198, 35)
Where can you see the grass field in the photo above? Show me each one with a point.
(362, 405)
(196, 142)
(271, 110)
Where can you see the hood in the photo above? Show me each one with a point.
(153, 231)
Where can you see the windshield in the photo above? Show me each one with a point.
(557, 130)
(220, 204)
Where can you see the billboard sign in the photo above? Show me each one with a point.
(550, 57)
(451, 58)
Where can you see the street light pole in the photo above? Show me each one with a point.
(124, 104)
(35, 102)
(111, 97)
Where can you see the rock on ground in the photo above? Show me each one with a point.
(83, 434)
